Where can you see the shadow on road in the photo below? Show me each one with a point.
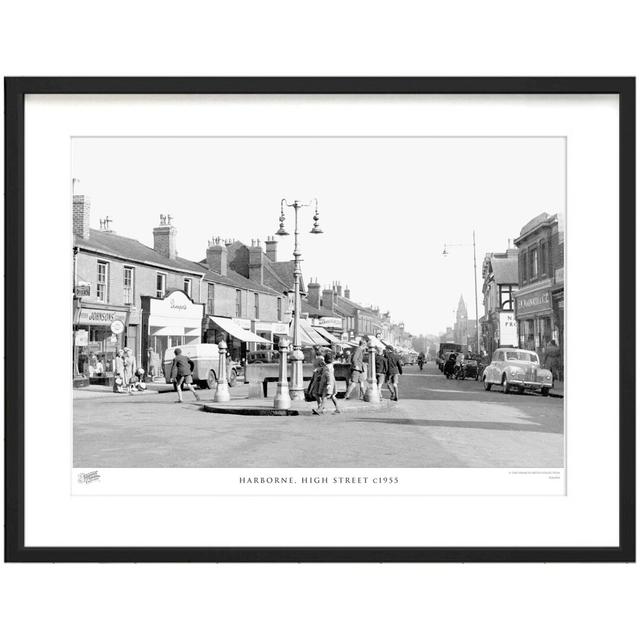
(470, 424)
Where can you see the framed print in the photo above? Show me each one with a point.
(320, 319)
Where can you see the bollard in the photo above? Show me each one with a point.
(222, 388)
(372, 394)
(282, 399)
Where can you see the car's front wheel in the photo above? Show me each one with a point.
(506, 387)
(233, 375)
(212, 379)
(487, 385)
(544, 391)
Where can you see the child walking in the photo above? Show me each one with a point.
(328, 383)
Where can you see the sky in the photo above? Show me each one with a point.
(387, 205)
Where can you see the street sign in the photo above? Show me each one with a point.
(83, 290)
(117, 327)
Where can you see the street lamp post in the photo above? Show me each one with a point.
(297, 387)
(445, 253)
(282, 399)
(222, 388)
(372, 394)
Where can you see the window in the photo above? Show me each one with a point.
(533, 257)
(187, 286)
(543, 258)
(279, 309)
(506, 297)
(238, 303)
(211, 295)
(523, 269)
(102, 289)
(256, 306)
(161, 285)
(127, 285)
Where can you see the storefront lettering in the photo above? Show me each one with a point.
(539, 300)
(179, 307)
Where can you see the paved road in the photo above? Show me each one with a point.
(437, 423)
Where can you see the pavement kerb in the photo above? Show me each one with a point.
(250, 407)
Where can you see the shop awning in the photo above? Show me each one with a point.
(234, 329)
(376, 342)
(308, 335)
(325, 334)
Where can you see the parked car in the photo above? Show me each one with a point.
(206, 360)
(467, 367)
(517, 369)
(262, 356)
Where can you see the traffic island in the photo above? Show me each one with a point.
(264, 407)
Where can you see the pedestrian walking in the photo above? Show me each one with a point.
(328, 383)
(129, 369)
(357, 370)
(394, 371)
(382, 367)
(118, 371)
(314, 388)
(181, 369)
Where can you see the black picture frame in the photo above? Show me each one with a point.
(15, 91)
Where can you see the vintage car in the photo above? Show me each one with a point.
(206, 361)
(466, 367)
(517, 369)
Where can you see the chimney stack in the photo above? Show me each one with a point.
(272, 248)
(164, 238)
(81, 219)
(313, 294)
(347, 292)
(217, 256)
(328, 299)
(256, 269)
(339, 289)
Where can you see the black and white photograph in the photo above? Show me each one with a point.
(321, 326)
(319, 302)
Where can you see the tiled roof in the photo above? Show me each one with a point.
(505, 270)
(234, 279)
(112, 244)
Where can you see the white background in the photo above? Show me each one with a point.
(587, 516)
(400, 38)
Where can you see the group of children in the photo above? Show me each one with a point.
(322, 386)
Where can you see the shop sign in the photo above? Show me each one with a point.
(243, 322)
(83, 290)
(82, 338)
(538, 301)
(329, 323)
(100, 316)
(280, 328)
(175, 308)
(508, 336)
(117, 327)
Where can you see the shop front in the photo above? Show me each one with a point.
(236, 332)
(535, 317)
(99, 333)
(167, 323)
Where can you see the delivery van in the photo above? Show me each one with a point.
(206, 360)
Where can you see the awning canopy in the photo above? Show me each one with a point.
(234, 329)
(376, 342)
(325, 334)
(308, 335)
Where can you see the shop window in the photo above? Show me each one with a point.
(161, 285)
(127, 285)
(102, 288)
(279, 309)
(211, 295)
(187, 286)
(238, 303)
(543, 258)
(256, 306)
